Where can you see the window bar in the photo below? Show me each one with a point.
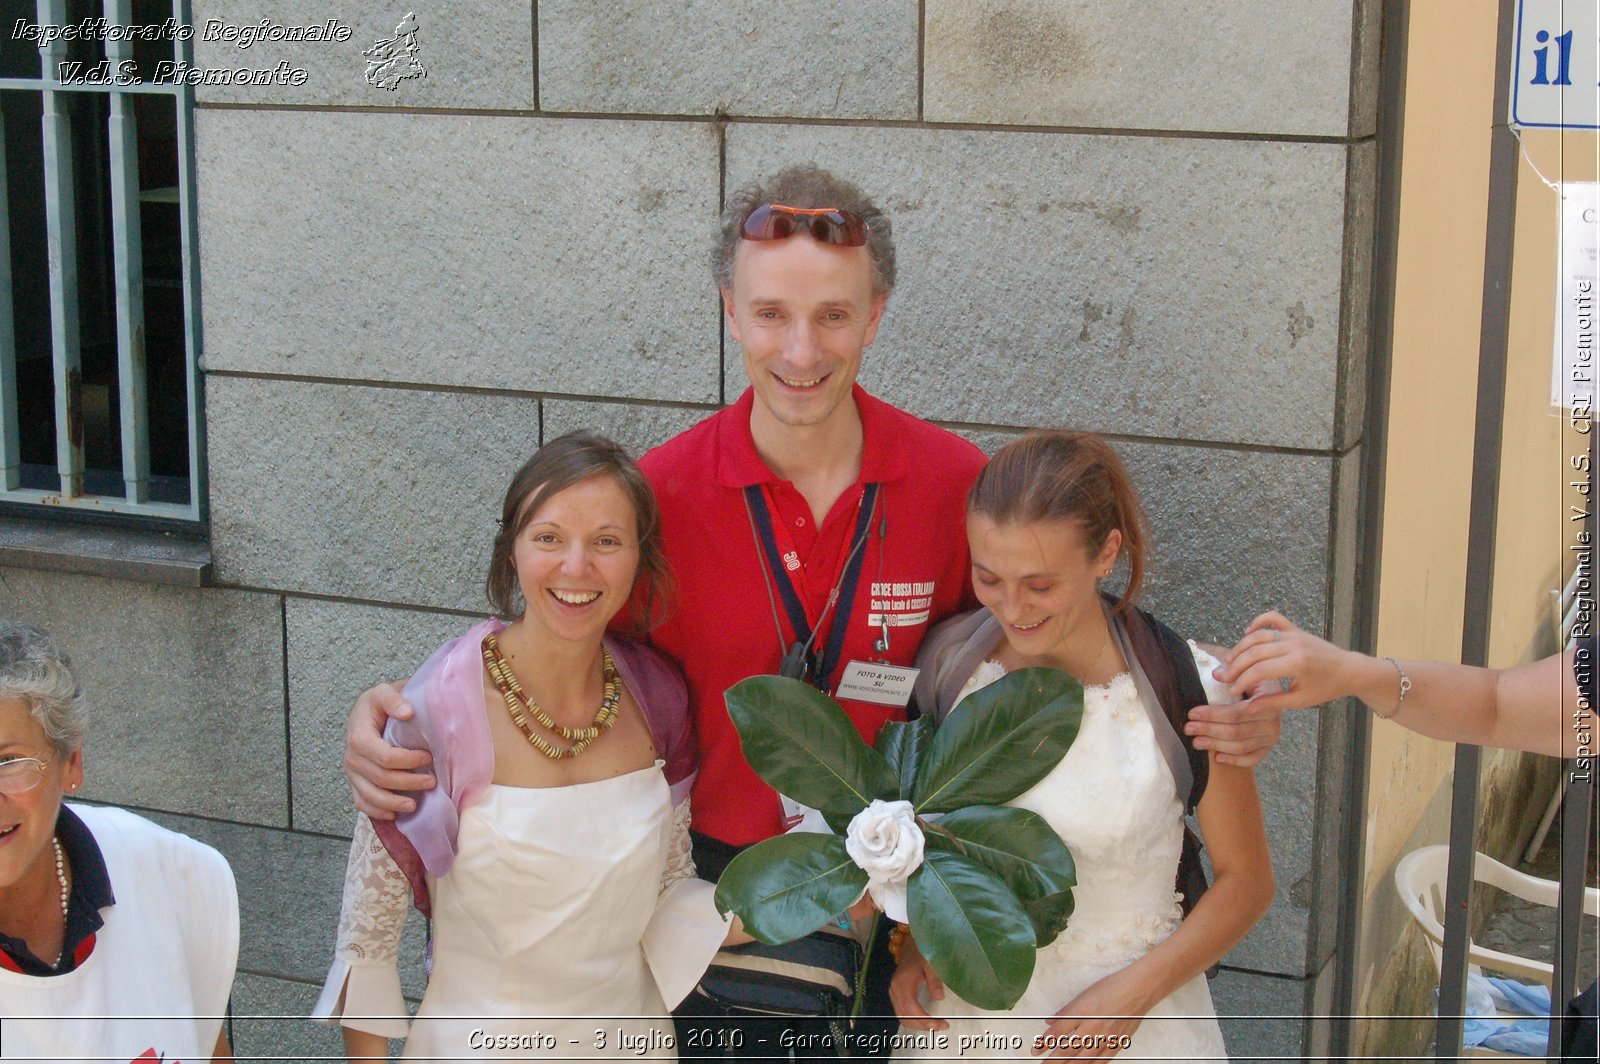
(10, 411)
(190, 243)
(61, 237)
(1575, 834)
(128, 261)
(1482, 530)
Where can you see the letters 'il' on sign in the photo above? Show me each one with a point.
(1555, 75)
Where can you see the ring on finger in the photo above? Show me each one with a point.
(1284, 683)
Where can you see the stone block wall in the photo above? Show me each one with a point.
(1150, 218)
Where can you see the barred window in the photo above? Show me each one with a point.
(99, 319)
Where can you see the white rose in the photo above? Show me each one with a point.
(885, 842)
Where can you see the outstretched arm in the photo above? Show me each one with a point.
(1530, 707)
(376, 769)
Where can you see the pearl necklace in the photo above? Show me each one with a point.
(61, 876)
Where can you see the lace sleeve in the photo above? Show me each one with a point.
(363, 985)
(680, 854)
(373, 912)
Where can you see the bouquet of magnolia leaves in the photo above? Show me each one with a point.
(920, 824)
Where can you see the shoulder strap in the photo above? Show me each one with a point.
(1168, 663)
(1166, 660)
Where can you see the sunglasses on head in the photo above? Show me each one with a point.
(826, 225)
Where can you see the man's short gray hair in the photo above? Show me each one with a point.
(806, 186)
(35, 672)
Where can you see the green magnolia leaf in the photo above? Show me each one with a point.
(904, 744)
(787, 887)
(999, 741)
(1015, 844)
(803, 745)
(949, 899)
(1049, 915)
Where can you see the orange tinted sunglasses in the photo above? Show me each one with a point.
(826, 225)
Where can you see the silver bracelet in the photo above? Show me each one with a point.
(1405, 685)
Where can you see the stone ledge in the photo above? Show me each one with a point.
(119, 553)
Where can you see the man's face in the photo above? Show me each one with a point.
(802, 312)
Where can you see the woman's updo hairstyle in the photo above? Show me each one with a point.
(1056, 475)
(555, 467)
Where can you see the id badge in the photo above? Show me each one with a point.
(881, 685)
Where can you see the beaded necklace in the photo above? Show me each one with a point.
(517, 700)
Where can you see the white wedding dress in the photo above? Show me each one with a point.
(568, 915)
(1113, 801)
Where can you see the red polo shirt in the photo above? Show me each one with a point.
(914, 573)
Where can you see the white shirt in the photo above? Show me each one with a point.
(157, 983)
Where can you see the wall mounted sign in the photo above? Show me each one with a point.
(1555, 75)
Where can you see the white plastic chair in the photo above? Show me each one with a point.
(1420, 879)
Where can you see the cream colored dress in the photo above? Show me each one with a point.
(567, 925)
(1113, 801)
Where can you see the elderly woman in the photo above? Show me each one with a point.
(118, 938)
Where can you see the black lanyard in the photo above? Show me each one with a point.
(842, 597)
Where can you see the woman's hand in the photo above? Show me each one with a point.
(376, 769)
(1273, 650)
(912, 972)
(1098, 1023)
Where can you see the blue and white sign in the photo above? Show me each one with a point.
(1555, 75)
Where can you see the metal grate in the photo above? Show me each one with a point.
(100, 279)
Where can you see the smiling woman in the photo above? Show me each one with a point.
(585, 807)
(1049, 519)
(126, 930)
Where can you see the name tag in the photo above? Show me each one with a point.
(882, 685)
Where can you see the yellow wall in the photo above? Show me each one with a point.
(1433, 385)
(1444, 192)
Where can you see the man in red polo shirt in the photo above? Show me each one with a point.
(805, 491)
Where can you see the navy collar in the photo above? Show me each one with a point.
(91, 892)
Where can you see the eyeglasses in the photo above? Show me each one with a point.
(827, 225)
(20, 775)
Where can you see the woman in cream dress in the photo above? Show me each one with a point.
(553, 857)
(1048, 519)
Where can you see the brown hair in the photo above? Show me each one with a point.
(1056, 475)
(555, 467)
(806, 186)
